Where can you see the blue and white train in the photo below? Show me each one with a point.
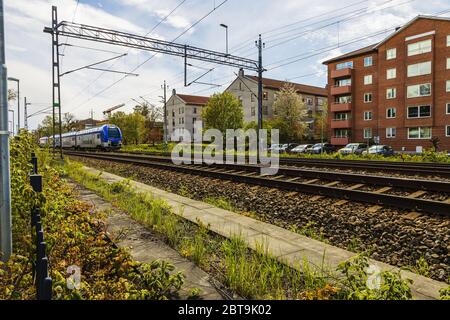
(106, 137)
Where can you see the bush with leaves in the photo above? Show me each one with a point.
(75, 236)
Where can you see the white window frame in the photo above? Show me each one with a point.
(421, 47)
(394, 71)
(366, 59)
(367, 95)
(448, 63)
(366, 114)
(419, 72)
(365, 130)
(447, 108)
(387, 113)
(392, 56)
(447, 86)
(391, 133)
(368, 79)
(448, 40)
(345, 65)
(394, 93)
(420, 136)
(447, 131)
(418, 111)
(418, 85)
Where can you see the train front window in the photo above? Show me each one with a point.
(113, 133)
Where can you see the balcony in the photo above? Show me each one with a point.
(341, 107)
(341, 124)
(340, 141)
(336, 91)
(342, 73)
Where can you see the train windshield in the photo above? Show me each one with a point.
(113, 133)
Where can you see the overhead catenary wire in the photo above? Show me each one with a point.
(151, 57)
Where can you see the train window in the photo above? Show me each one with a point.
(113, 133)
(98, 136)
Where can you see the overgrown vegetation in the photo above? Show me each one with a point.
(251, 274)
(75, 236)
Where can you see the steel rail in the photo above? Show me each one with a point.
(402, 202)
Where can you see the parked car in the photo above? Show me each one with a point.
(275, 147)
(323, 148)
(380, 150)
(302, 148)
(288, 147)
(353, 148)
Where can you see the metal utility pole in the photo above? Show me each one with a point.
(5, 180)
(260, 45)
(26, 104)
(164, 87)
(56, 87)
(18, 101)
(226, 30)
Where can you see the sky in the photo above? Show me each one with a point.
(298, 35)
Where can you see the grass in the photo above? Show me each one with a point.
(253, 274)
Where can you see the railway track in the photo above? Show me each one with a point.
(377, 190)
(407, 168)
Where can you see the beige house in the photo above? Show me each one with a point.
(183, 111)
(245, 88)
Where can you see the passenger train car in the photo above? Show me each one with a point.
(107, 137)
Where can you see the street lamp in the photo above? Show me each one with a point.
(18, 101)
(226, 30)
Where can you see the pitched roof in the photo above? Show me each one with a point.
(374, 47)
(277, 85)
(194, 100)
(351, 54)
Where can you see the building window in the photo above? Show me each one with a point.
(344, 65)
(419, 133)
(391, 113)
(367, 115)
(419, 90)
(367, 133)
(391, 133)
(448, 86)
(252, 97)
(341, 116)
(448, 41)
(448, 108)
(265, 110)
(195, 110)
(265, 95)
(344, 99)
(419, 69)
(419, 47)
(309, 101)
(448, 63)
(344, 82)
(391, 73)
(240, 99)
(253, 111)
(419, 112)
(447, 131)
(367, 97)
(368, 79)
(368, 61)
(391, 54)
(391, 93)
(275, 97)
(319, 101)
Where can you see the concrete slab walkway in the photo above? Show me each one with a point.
(288, 247)
(145, 247)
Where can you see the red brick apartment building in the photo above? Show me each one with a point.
(397, 90)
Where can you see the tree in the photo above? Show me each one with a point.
(151, 132)
(12, 95)
(131, 125)
(69, 123)
(290, 115)
(321, 122)
(45, 129)
(223, 112)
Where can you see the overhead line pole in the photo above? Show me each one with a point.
(5, 180)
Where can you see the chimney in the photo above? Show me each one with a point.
(398, 28)
(241, 73)
(174, 92)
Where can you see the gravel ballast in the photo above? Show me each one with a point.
(393, 236)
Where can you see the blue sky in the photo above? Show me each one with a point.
(302, 33)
